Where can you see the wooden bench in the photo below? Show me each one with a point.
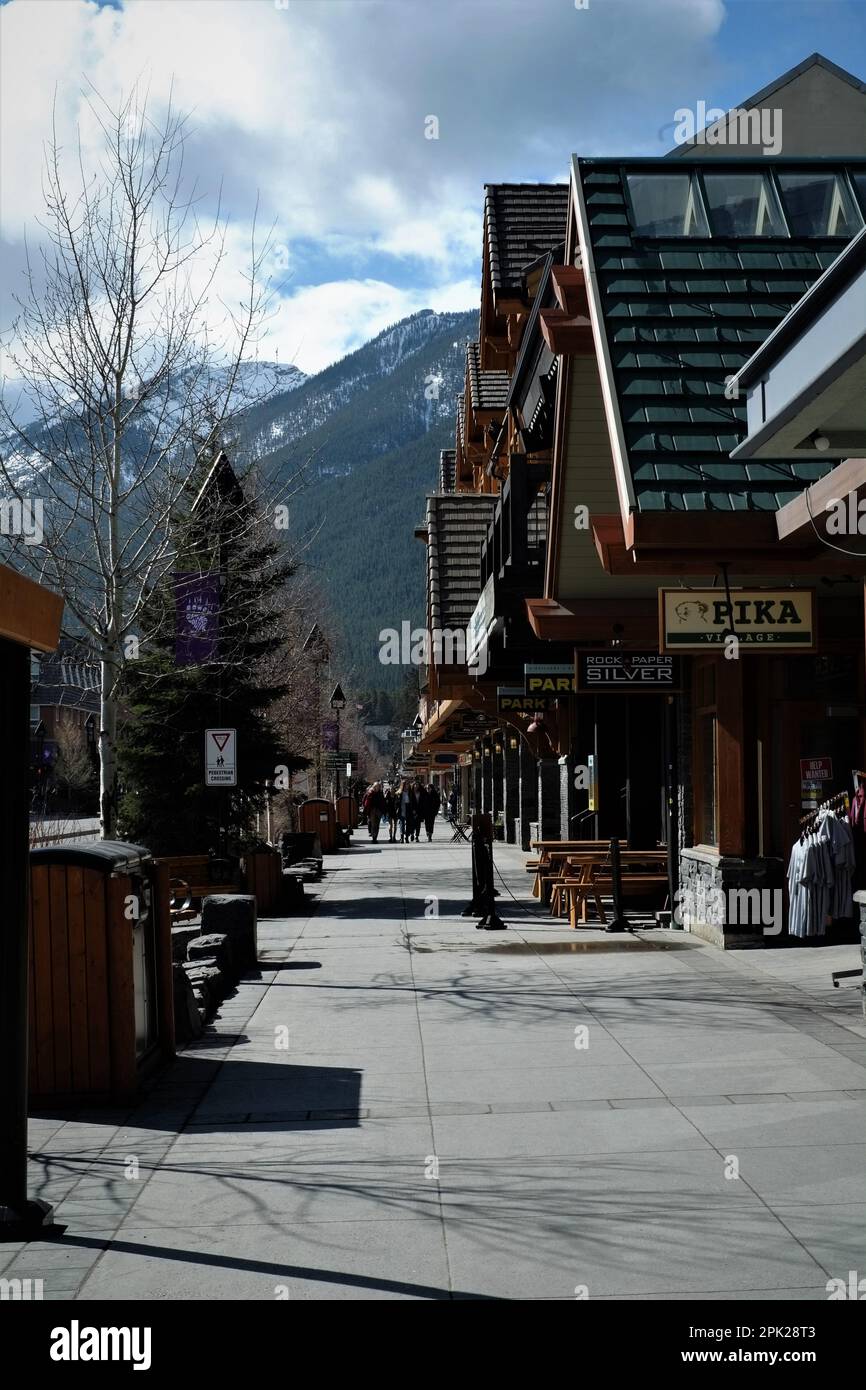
(191, 878)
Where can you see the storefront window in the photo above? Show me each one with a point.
(707, 755)
(705, 780)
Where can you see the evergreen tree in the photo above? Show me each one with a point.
(165, 803)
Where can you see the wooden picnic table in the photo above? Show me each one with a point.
(641, 871)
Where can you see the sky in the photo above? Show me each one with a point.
(322, 111)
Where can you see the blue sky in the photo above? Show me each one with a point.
(320, 109)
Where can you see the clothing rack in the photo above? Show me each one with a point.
(842, 799)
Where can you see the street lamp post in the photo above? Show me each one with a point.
(338, 702)
(318, 649)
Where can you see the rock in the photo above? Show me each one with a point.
(216, 947)
(187, 1019)
(207, 975)
(233, 915)
(181, 937)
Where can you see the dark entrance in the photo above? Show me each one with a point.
(630, 738)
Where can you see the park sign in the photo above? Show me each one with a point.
(512, 699)
(554, 679)
(220, 757)
(621, 672)
(760, 619)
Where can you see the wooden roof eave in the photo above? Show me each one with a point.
(30, 614)
(704, 540)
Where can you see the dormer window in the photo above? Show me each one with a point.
(743, 204)
(666, 205)
(819, 204)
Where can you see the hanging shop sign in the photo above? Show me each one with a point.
(444, 759)
(698, 619)
(556, 679)
(512, 699)
(478, 627)
(652, 672)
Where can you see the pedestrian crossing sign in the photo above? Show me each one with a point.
(220, 757)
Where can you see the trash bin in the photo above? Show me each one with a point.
(346, 808)
(101, 1012)
(318, 817)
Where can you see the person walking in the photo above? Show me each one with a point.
(417, 809)
(391, 812)
(432, 802)
(404, 809)
(375, 808)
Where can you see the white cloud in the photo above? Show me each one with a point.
(321, 323)
(320, 110)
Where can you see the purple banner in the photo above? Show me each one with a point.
(197, 599)
(330, 729)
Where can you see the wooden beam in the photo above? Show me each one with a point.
(794, 520)
(566, 333)
(719, 531)
(705, 561)
(29, 613)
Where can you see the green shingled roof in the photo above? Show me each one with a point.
(682, 315)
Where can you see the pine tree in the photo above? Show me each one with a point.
(165, 803)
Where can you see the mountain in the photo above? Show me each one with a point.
(368, 431)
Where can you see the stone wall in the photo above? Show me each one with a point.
(731, 902)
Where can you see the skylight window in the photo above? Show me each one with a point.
(666, 205)
(818, 204)
(743, 205)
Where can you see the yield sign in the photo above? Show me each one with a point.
(220, 757)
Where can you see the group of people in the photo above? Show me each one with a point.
(405, 808)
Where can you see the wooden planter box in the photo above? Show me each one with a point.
(100, 981)
(318, 817)
(263, 873)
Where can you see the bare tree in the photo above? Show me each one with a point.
(126, 366)
(73, 768)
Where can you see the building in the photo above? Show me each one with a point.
(64, 692)
(687, 653)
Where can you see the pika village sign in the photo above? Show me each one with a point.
(698, 619)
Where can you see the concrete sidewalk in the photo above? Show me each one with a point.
(587, 1102)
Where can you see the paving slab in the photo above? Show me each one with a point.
(465, 1115)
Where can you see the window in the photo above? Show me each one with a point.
(704, 750)
(818, 205)
(859, 182)
(666, 205)
(743, 205)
